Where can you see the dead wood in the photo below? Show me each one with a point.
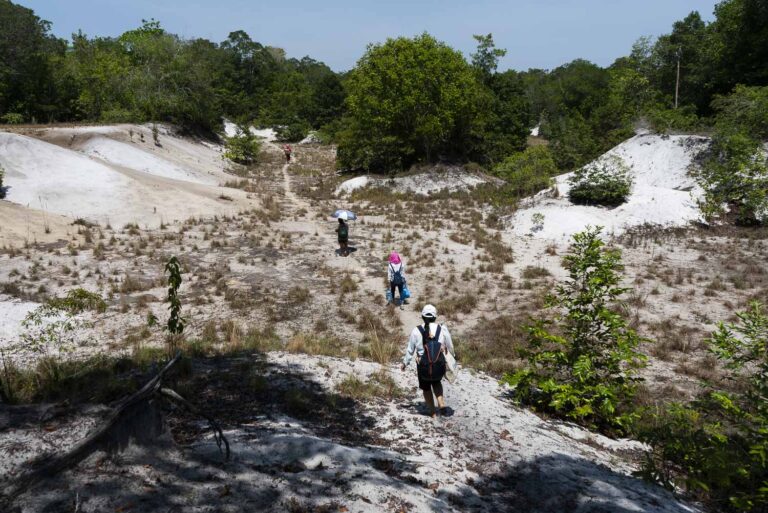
(103, 436)
(218, 434)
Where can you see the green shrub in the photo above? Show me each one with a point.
(293, 132)
(665, 120)
(746, 109)
(606, 181)
(2, 188)
(79, 300)
(687, 449)
(528, 172)
(243, 148)
(717, 445)
(12, 118)
(583, 366)
(119, 115)
(734, 177)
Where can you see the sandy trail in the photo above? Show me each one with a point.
(369, 282)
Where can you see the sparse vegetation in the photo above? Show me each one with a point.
(716, 445)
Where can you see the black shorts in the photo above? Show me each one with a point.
(427, 385)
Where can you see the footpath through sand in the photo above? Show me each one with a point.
(373, 283)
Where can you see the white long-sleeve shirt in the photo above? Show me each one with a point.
(416, 343)
(395, 267)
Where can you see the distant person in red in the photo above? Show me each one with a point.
(287, 149)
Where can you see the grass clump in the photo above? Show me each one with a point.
(307, 343)
(380, 385)
(98, 379)
(532, 272)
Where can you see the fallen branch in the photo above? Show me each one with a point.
(218, 434)
(99, 438)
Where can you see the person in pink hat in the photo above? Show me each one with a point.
(396, 274)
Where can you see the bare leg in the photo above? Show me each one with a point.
(438, 388)
(430, 401)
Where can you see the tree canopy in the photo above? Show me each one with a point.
(148, 74)
(418, 100)
(409, 99)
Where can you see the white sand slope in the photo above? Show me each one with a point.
(127, 155)
(45, 177)
(133, 146)
(663, 192)
(12, 313)
(268, 134)
(115, 175)
(449, 180)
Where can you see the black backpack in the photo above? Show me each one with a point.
(343, 232)
(431, 366)
(397, 276)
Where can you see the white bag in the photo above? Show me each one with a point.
(451, 367)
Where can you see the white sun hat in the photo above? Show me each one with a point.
(429, 311)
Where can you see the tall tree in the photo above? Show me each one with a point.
(409, 100)
(26, 48)
(486, 59)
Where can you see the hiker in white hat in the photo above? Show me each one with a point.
(430, 342)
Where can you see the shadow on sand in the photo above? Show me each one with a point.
(346, 252)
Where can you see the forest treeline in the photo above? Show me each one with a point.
(148, 74)
(407, 100)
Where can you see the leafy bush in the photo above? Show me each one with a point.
(2, 188)
(666, 120)
(571, 140)
(293, 132)
(79, 300)
(586, 370)
(243, 148)
(604, 182)
(528, 172)
(12, 118)
(120, 115)
(718, 445)
(734, 177)
(746, 109)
